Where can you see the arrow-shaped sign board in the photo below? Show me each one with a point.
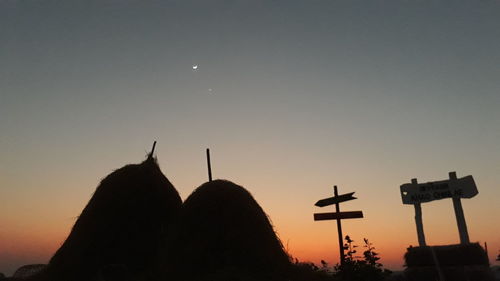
(335, 200)
(338, 216)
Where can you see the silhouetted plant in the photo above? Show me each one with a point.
(324, 266)
(370, 256)
(308, 271)
(350, 247)
(366, 268)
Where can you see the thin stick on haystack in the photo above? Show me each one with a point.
(152, 150)
(209, 165)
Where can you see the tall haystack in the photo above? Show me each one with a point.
(118, 233)
(223, 234)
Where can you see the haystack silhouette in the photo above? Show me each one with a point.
(28, 270)
(119, 232)
(223, 234)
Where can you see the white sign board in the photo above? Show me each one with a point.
(413, 193)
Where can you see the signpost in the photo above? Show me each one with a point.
(338, 215)
(415, 193)
(335, 200)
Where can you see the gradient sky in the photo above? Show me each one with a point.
(292, 97)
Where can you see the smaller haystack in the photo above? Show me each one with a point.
(223, 234)
(119, 231)
(460, 262)
(447, 255)
(28, 270)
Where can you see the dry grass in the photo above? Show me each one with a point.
(224, 232)
(120, 228)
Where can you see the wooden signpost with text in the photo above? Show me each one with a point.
(338, 215)
(455, 188)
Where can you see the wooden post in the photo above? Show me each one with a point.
(436, 263)
(339, 228)
(152, 150)
(418, 221)
(209, 166)
(459, 214)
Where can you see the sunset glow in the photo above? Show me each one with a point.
(290, 97)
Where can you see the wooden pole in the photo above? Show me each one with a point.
(418, 221)
(152, 150)
(339, 228)
(436, 263)
(209, 166)
(459, 214)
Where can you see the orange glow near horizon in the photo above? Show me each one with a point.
(37, 245)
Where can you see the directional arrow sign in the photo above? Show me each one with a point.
(337, 216)
(335, 200)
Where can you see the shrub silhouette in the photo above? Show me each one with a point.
(120, 229)
(366, 268)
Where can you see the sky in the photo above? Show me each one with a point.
(292, 97)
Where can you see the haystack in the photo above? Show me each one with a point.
(28, 270)
(461, 262)
(119, 231)
(223, 234)
(447, 255)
